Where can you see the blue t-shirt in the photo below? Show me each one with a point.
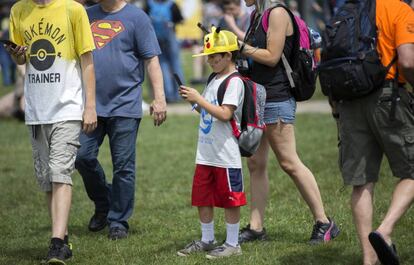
(123, 40)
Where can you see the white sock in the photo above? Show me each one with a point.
(233, 234)
(207, 232)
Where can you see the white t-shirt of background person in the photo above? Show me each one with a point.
(217, 146)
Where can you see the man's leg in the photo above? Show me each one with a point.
(174, 59)
(402, 199)
(91, 170)
(60, 208)
(362, 210)
(166, 72)
(122, 134)
(64, 144)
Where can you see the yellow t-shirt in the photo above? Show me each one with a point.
(395, 23)
(56, 35)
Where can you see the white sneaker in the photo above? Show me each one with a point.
(223, 251)
(196, 246)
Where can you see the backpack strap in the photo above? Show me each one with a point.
(211, 77)
(296, 39)
(395, 94)
(220, 96)
(223, 86)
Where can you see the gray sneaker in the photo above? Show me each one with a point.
(223, 251)
(196, 246)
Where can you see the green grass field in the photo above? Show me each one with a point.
(164, 221)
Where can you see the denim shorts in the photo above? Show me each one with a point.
(283, 111)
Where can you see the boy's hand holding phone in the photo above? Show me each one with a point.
(17, 51)
(187, 93)
(190, 94)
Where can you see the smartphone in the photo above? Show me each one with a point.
(9, 43)
(178, 80)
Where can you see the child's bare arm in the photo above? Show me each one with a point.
(222, 113)
(88, 75)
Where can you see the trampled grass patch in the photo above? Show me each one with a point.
(164, 220)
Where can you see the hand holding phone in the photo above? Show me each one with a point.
(8, 43)
(178, 80)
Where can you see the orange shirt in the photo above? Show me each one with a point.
(395, 23)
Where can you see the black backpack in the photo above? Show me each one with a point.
(350, 65)
(250, 131)
(300, 67)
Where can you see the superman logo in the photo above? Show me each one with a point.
(104, 31)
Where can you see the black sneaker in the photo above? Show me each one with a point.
(247, 235)
(98, 222)
(57, 255)
(116, 233)
(324, 232)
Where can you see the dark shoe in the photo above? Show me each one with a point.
(98, 222)
(387, 254)
(324, 232)
(57, 255)
(116, 233)
(248, 235)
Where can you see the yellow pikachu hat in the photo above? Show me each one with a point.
(219, 41)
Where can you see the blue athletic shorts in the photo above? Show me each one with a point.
(283, 111)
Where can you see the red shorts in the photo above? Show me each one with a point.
(218, 187)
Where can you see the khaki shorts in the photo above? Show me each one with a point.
(367, 132)
(54, 152)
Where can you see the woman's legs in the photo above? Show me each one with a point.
(259, 185)
(281, 137)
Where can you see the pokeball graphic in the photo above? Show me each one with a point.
(42, 55)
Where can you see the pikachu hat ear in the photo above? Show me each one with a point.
(219, 41)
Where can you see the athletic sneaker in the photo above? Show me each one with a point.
(57, 255)
(196, 246)
(324, 232)
(224, 251)
(248, 235)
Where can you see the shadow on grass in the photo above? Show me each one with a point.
(319, 255)
(33, 255)
(284, 236)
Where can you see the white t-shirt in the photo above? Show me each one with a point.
(217, 146)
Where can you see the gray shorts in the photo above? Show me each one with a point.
(367, 132)
(54, 152)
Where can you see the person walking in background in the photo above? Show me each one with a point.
(235, 19)
(8, 67)
(125, 44)
(265, 49)
(218, 179)
(165, 14)
(369, 128)
(54, 104)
